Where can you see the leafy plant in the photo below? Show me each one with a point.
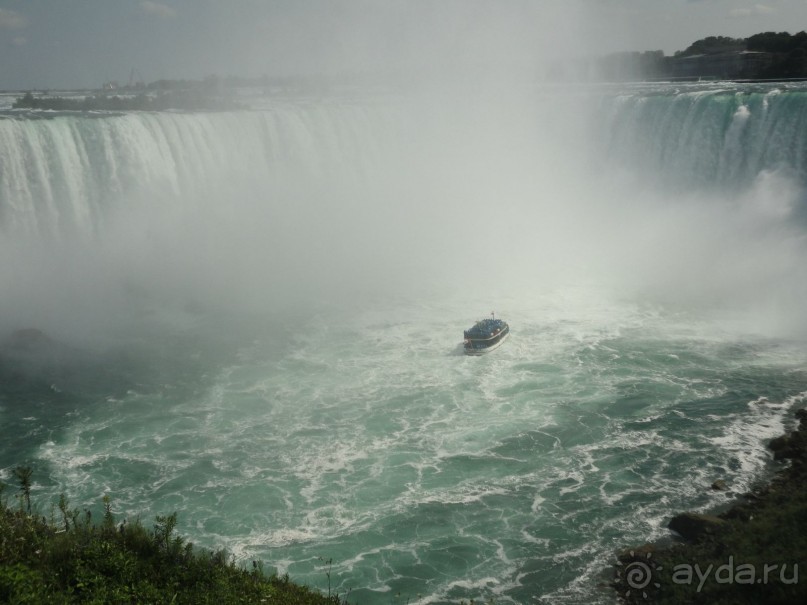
(74, 560)
(23, 475)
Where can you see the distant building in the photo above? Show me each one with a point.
(723, 66)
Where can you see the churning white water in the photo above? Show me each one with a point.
(254, 319)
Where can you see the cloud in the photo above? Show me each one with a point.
(752, 11)
(158, 10)
(19, 41)
(12, 20)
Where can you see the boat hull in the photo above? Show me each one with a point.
(481, 350)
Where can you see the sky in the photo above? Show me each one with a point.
(84, 43)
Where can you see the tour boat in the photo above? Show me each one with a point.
(486, 335)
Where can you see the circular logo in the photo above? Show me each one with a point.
(638, 575)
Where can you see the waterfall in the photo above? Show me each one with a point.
(66, 173)
(715, 138)
(680, 190)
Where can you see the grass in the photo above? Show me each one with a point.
(70, 558)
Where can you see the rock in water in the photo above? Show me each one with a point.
(719, 485)
(692, 526)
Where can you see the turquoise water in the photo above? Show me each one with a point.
(366, 445)
(256, 321)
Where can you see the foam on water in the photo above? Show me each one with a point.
(278, 298)
(414, 470)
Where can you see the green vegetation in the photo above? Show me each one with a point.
(781, 42)
(790, 53)
(711, 45)
(769, 56)
(751, 554)
(70, 559)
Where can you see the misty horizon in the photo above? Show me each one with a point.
(53, 45)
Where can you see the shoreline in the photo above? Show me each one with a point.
(749, 551)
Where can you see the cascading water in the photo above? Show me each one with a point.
(716, 136)
(254, 319)
(68, 172)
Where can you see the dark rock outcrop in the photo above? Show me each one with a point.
(766, 524)
(693, 526)
(792, 446)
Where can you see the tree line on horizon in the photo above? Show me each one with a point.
(782, 56)
(779, 55)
